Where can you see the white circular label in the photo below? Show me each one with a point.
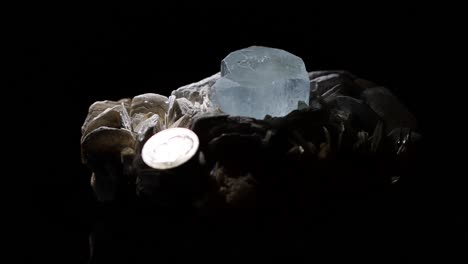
(170, 148)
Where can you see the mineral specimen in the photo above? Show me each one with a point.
(338, 120)
(209, 147)
(259, 81)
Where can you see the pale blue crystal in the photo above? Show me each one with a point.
(259, 81)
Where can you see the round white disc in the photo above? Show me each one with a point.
(170, 148)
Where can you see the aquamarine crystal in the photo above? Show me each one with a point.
(259, 81)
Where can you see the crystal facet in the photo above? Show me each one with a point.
(259, 81)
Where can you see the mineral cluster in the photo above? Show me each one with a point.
(259, 121)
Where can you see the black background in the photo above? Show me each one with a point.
(65, 58)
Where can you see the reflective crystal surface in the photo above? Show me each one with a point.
(259, 81)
